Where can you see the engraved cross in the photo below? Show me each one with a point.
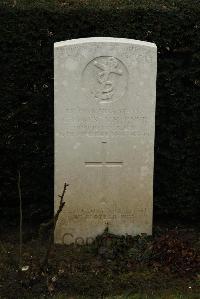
(104, 162)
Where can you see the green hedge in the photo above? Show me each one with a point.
(26, 142)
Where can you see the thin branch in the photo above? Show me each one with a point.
(55, 219)
(21, 218)
(61, 205)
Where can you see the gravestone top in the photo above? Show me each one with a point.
(105, 90)
(104, 40)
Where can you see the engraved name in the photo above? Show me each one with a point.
(98, 122)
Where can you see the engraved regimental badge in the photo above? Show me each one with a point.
(105, 79)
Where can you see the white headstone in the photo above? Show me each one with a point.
(105, 91)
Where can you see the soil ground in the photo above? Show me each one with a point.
(166, 265)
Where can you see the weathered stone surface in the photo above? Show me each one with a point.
(105, 90)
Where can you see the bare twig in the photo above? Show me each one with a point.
(61, 205)
(21, 218)
(53, 222)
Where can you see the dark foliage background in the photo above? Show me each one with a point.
(26, 140)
